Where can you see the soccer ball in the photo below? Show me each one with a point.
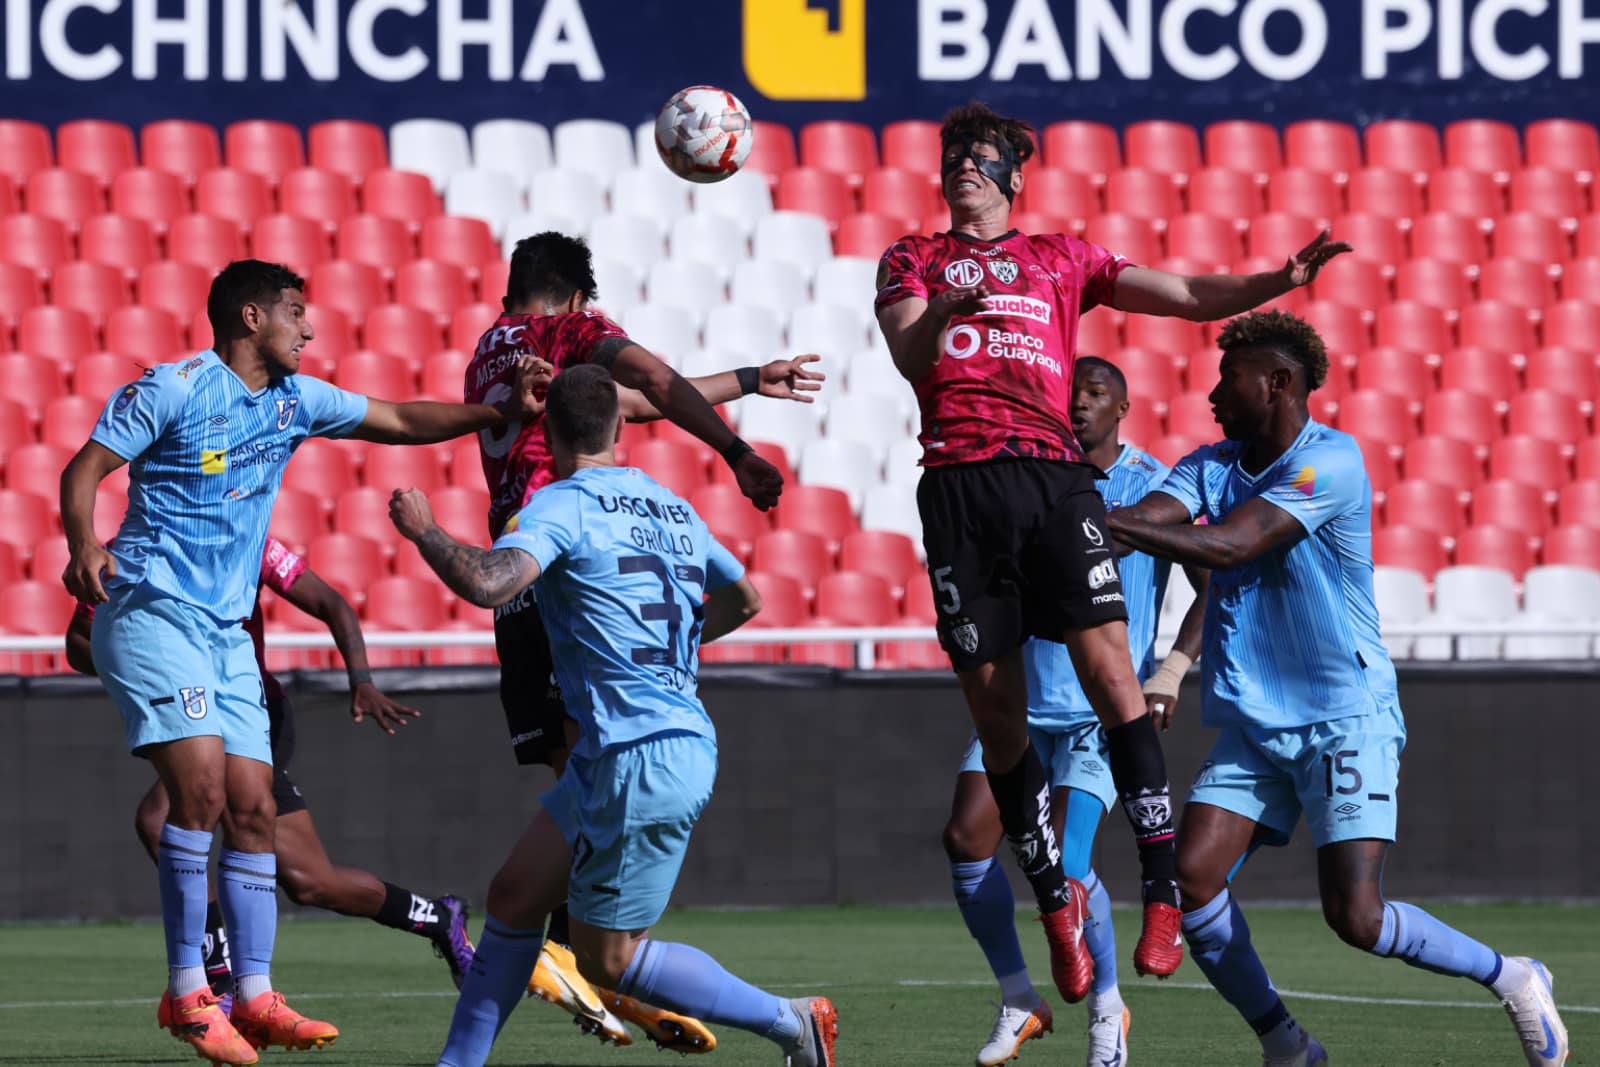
(704, 133)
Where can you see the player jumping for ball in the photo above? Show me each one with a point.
(1297, 680)
(982, 321)
(629, 582)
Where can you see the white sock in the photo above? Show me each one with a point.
(1107, 1003)
(1285, 1039)
(1513, 975)
(247, 987)
(181, 981)
(1017, 990)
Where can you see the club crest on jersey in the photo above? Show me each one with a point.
(1092, 532)
(963, 273)
(194, 701)
(1004, 270)
(965, 636)
(286, 406)
(124, 399)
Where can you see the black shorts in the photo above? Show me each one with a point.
(285, 793)
(1017, 548)
(529, 694)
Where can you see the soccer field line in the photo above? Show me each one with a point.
(907, 983)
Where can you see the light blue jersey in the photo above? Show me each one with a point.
(1292, 637)
(207, 457)
(1056, 700)
(624, 567)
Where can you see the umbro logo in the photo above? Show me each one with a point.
(219, 420)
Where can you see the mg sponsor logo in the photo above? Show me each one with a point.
(1025, 307)
(963, 273)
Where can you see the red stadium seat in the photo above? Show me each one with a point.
(1552, 193)
(1163, 334)
(118, 241)
(1588, 238)
(1251, 147)
(1065, 193)
(1279, 236)
(348, 560)
(25, 519)
(1586, 458)
(364, 510)
(42, 609)
(10, 194)
(400, 194)
(34, 241)
(68, 196)
(773, 151)
(350, 287)
(1446, 461)
(1479, 370)
(1173, 447)
(1171, 148)
(852, 599)
(380, 374)
(1145, 194)
(676, 465)
(1564, 144)
(867, 235)
(322, 468)
(299, 244)
(335, 331)
(1089, 148)
(891, 556)
(389, 469)
(36, 469)
(821, 510)
(1334, 148)
(181, 148)
(438, 288)
(1547, 414)
(1468, 193)
(100, 374)
(1356, 283)
(913, 145)
(93, 288)
(1573, 324)
(146, 332)
(1227, 194)
(240, 196)
(298, 519)
(1579, 504)
(463, 458)
(722, 474)
(815, 191)
(11, 569)
(1524, 458)
(1484, 145)
(1512, 503)
(1494, 546)
(1100, 330)
(1378, 416)
(322, 195)
(468, 243)
(849, 149)
(1517, 283)
(1189, 415)
(353, 149)
(798, 554)
(174, 286)
(1306, 193)
(1391, 194)
(730, 517)
(67, 420)
(1580, 280)
(463, 512)
(1564, 370)
(1489, 324)
(24, 148)
(401, 603)
(62, 334)
(1576, 546)
(1152, 376)
(1135, 239)
(907, 194)
(1457, 413)
(400, 332)
(492, 277)
(1034, 222)
(1414, 327)
(98, 148)
(1403, 371)
(270, 149)
(17, 420)
(1342, 328)
(1404, 145)
(1435, 282)
(468, 324)
(1423, 506)
(1448, 237)
(206, 241)
(19, 291)
(1521, 235)
(152, 195)
(383, 243)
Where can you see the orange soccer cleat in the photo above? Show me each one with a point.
(198, 1019)
(667, 1029)
(1070, 963)
(1160, 947)
(267, 1020)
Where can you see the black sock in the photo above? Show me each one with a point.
(1023, 797)
(404, 910)
(214, 949)
(1140, 772)
(557, 930)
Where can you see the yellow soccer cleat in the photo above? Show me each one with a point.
(556, 981)
(667, 1029)
(267, 1020)
(197, 1019)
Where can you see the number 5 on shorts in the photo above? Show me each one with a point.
(948, 589)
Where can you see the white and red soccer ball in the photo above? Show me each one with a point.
(704, 133)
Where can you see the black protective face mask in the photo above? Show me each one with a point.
(996, 170)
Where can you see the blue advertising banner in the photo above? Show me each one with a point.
(795, 60)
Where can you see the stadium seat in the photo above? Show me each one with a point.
(467, 243)
(353, 149)
(1547, 414)
(1434, 282)
(772, 284)
(908, 195)
(1152, 376)
(100, 374)
(1355, 283)
(1525, 458)
(752, 330)
(1143, 194)
(494, 197)
(19, 290)
(1577, 546)
(67, 420)
(1579, 504)
(10, 195)
(181, 148)
(1580, 280)
(632, 240)
(848, 149)
(1446, 461)
(1370, 415)
(62, 334)
(708, 240)
(118, 241)
(382, 242)
(1469, 193)
(773, 151)
(1413, 326)
(1523, 235)
(1135, 239)
(1189, 416)
(1572, 324)
(820, 510)
(260, 146)
(741, 200)
(1402, 596)
(515, 146)
(1458, 413)
(1518, 283)
(802, 555)
(1403, 371)
(1557, 595)
(1279, 236)
(1475, 594)
(1304, 192)
(1483, 145)
(1022, 221)
(791, 236)
(93, 288)
(1564, 370)
(34, 241)
(437, 288)
(595, 147)
(298, 519)
(1479, 370)
(434, 147)
(1171, 148)
(1226, 194)
(95, 147)
(1090, 148)
(37, 469)
(364, 510)
(17, 421)
(730, 517)
(399, 332)
(443, 375)
(1250, 147)
(1512, 504)
(389, 469)
(1564, 144)
(146, 332)
(867, 235)
(400, 194)
(1334, 148)
(492, 277)
(1553, 194)
(852, 599)
(40, 608)
(11, 569)
(1163, 334)
(381, 373)
(1413, 549)
(889, 555)
(405, 604)
(1448, 237)
(469, 322)
(1423, 506)
(1404, 145)
(26, 519)
(24, 148)
(1341, 327)
(355, 562)
(335, 332)
(912, 144)
(68, 196)
(325, 196)
(236, 195)
(678, 465)
(300, 244)
(324, 469)
(1391, 194)
(347, 286)
(152, 195)
(843, 463)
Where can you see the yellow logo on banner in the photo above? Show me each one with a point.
(806, 49)
(213, 462)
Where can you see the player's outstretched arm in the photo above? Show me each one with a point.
(728, 608)
(322, 601)
(1251, 530)
(1207, 297)
(1161, 688)
(483, 577)
(912, 327)
(424, 422)
(783, 379)
(82, 476)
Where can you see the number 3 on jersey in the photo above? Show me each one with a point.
(665, 610)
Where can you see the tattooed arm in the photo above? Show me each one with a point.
(486, 578)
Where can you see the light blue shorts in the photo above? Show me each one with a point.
(628, 816)
(1344, 774)
(174, 672)
(1074, 757)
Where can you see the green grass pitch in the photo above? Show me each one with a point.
(910, 986)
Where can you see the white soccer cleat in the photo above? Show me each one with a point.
(1533, 1012)
(1309, 1054)
(1108, 1039)
(819, 1029)
(1012, 1027)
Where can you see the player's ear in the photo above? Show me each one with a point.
(1016, 182)
(616, 436)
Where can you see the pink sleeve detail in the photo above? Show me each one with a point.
(280, 566)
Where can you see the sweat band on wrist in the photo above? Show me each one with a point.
(735, 450)
(749, 379)
(1169, 676)
(359, 678)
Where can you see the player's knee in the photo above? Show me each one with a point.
(197, 805)
(251, 822)
(961, 844)
(1357, 921)
(1198, 880)
(603, 964)
(302, 886)
(147, 821)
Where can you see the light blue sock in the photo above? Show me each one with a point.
(1219, 940)
(1099, 936)
(1412, 935)
(990, 911)
(498, 978)
(181, 862)
(247, 890)
(1078, 830)
(686, 980)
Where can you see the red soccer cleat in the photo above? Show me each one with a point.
(197, 1019)
(1070, 963)
(267, 1020)
(1160, 947)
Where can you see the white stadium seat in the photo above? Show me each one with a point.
(633, 239)
(666, 329)
(872, 370)
(846, 280)
(851, 466)
(699, 362)
(753, 331)
(794, 426)
(688, 282)
(831, 331)
(1557, 594)
(644, 146)
(516, 146)
(901, 463)
(619, 283)
(434, 147)
(703, 240)
(772, 284)
(566, 192)
(593, 146)
(1402, 596)
(1475, 594)
(894, 507)
(743, 200)
(650, 190)
(793, 236)
(490, 195)
(879, 418)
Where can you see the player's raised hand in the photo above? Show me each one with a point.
(529, 383)
(1304, 265)
(963, 300)
(758, 480)
(1161, 706)
(84, 568)
(411, 513)
(368, 700)
(788, 379)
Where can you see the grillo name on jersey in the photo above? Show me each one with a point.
(654, 538)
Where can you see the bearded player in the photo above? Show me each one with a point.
(982, 321)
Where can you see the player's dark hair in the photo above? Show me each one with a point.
(246, 281)
(552, 265)
(977, 122)
(1110, 369)
(581, 409)
(1288, 335)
